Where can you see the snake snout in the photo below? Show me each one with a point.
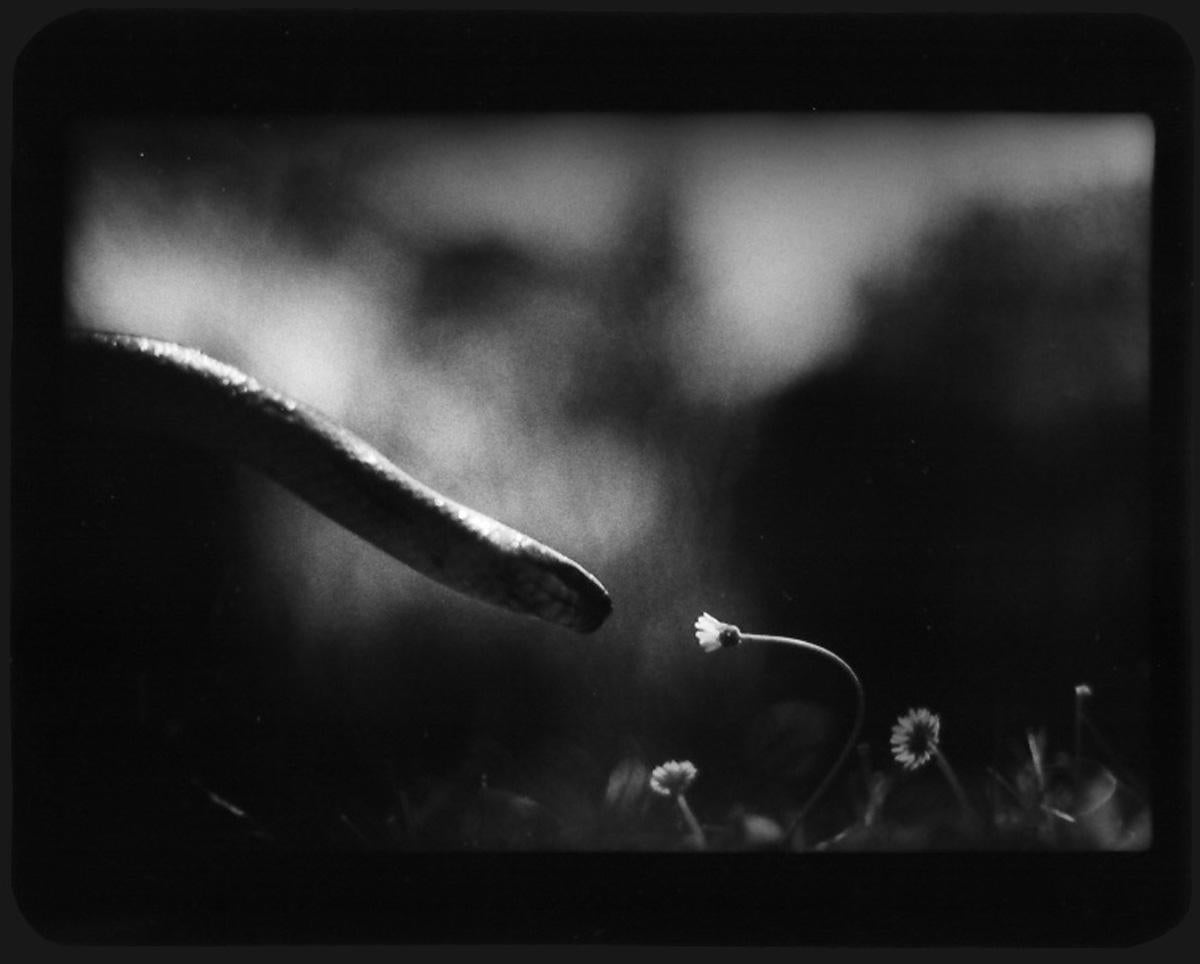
(564, 591)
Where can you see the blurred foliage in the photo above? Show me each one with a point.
(1028, 801)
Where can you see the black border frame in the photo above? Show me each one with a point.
(246, 62)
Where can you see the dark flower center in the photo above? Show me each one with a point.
(728, 636)
(918, 741)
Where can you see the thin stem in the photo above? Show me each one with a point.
(1079, 697)
(952, 779)
(692, 822)
(858, 716)
(1004, 783)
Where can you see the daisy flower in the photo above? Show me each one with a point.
(712, 634)
(915, 738)
(672, 779)
(915, 742)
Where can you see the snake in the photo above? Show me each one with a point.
(149, 385)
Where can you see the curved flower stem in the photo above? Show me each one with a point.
(952, 779)
(858, 717)
(692, 822)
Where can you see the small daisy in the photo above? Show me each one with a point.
(712, 634)
(915, 742)
(915, 738)
(672, 778)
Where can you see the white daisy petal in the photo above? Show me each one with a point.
(712, 634)
(671, 779)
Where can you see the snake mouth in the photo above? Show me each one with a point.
(582, 603)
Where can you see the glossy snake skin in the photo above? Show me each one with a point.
(165, 388)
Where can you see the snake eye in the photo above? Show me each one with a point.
(728, 636)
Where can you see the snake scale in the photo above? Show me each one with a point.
(160, 387)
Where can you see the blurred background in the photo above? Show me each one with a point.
(877, 382)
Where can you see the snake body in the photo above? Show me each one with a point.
(142, 383)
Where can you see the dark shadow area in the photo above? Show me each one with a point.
(964, 509)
